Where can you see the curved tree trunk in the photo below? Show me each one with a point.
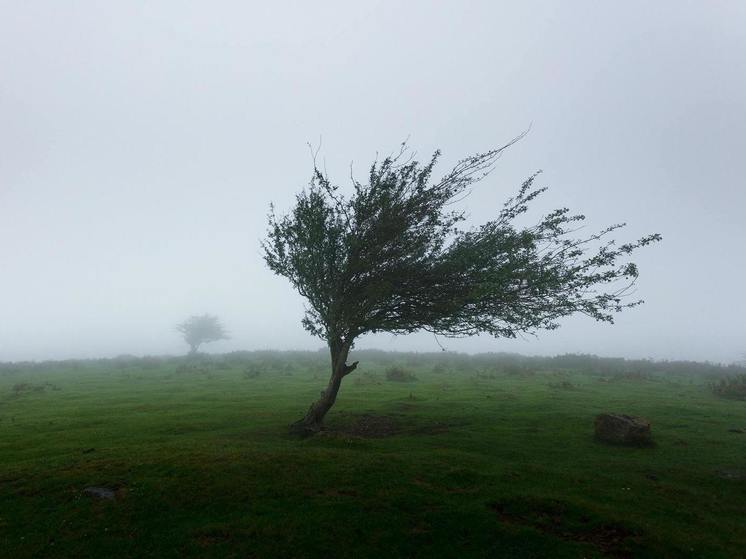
(312, 422)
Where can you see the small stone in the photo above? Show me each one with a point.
(100, 493)
(623, 429)
(731, 474)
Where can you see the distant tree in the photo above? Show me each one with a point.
(201, 329)
(390, 257)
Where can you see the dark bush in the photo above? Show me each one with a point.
(187, 369)
(28, 388)
(731, 387)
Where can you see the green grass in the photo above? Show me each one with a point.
(484, 464)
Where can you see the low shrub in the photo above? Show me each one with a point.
(731, 387)
(29, 388)
(189, 369)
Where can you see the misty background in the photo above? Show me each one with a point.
(141, 144)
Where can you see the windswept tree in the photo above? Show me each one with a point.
(391, 257)
(201, 329)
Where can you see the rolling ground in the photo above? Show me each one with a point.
(476, 457)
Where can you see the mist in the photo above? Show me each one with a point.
(141, 145)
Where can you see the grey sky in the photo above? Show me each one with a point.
(142, 142)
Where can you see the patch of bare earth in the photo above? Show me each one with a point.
(432, 428)
(559, 520)
(376, 426)
(370, 426)
(337, 492)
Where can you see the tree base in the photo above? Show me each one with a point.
(304, 428)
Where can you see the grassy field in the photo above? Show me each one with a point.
(475, 458)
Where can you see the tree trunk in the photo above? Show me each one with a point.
(312, 422)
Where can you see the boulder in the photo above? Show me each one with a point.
(623, 429)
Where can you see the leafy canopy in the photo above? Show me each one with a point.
(392, 257)
(200, 329)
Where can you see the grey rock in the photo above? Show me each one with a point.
(731, 474)
(623, 429)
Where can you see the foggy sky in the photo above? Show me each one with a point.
(142, 142)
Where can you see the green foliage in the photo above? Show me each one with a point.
(392, 257)
(733, 387)
(201, 329)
